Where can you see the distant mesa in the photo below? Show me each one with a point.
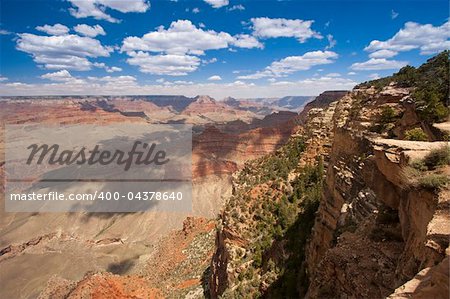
(203, 104)
(294, 102)
(178, 103)
(204, 99)
(232, 102)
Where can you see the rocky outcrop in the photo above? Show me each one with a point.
(376, 234)
(322, 101)
(174, 268)
(276, 119)
(372, 232)
(217, 152)
(431, 282)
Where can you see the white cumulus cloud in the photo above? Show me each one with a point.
(182, 37)
(293, 64)
(114, 69)
(90, 31)
(60, 76)
(378, 64)
(183, 42)
(273, 28)
(97, 8)
(383, 54)
(427, 38)
(119, 80)
(217, 3)
(58, 52)
(215, 78)
(236, 7)
(331, 42)
(169, 64)
(4, 32)
(246, 41)
(57, 29)
(107, 68)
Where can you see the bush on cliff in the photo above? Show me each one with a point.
(431, 86)
(433, 181)
(416, 134)
(437, 157)
(426, 173)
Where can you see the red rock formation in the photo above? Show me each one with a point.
(206, 104)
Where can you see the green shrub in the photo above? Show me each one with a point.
(257, 258)
(419, 165)
(445, 136)
(283, 216)
(416, 134)
(388, 115)
(378, 128)
(437, 157)
(433, 181)
(410, 174)
(249, 274)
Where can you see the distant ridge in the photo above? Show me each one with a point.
(178, 103)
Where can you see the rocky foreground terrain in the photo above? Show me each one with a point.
(350, 199)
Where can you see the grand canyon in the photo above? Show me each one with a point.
(284, 201)
(226, 135)
(226, 149)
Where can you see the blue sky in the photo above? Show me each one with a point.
(217, 47)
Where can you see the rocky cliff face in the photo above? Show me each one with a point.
(271, 212)
(320, 102)
(383, 223)
(373, 231)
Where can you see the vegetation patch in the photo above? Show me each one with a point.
(273, 207)
(416, 134)
(430, 84)
(437, 158)
(433, 181)
(387, 119)
(426, 173)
